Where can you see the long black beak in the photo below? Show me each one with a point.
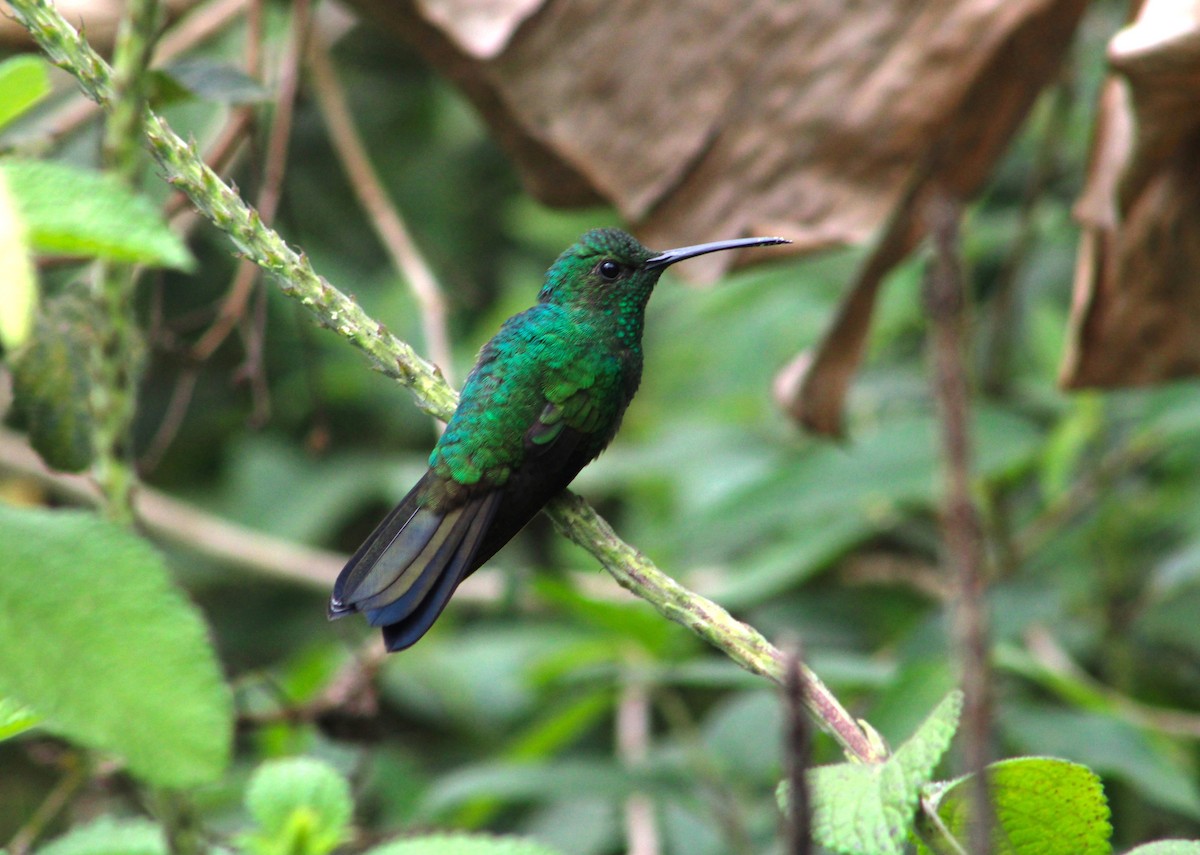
(664, 259)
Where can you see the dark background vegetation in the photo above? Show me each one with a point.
(510, 715)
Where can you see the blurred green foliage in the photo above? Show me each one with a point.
(505, 718)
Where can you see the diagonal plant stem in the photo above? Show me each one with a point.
(573, 517)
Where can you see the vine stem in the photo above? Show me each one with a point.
(573, 517)
(962, 530)
(116, 361)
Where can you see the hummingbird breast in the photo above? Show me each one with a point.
(547, 374)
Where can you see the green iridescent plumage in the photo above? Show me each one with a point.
(545, 397)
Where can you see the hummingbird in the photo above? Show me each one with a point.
(545, 397)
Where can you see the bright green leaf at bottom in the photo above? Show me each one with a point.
(302, 807)
(870, 808)
(1043, 806)
(107, 836)
(462, 844)
(95, 638)
(1168, 847)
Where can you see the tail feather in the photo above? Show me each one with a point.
(404, 531)
(412, 576)
(408, 630)
(404, 574)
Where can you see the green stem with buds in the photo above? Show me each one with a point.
(117, 358)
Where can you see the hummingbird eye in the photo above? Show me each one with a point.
(609, 270)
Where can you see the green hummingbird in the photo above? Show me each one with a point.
(545, 397)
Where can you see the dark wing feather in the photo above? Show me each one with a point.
(370, 569)
(410, 565)
(399, 634)
(546, 472)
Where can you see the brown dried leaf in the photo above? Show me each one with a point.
(711, 118)
(716, 118)
(1136, 311)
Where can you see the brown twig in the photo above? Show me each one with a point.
(1061, 674)
(384, 216)
(74, 778)
(233, 307)
(184, 524)
(721, 802)
(945, 300)
(219, 539)
(797, 747)
(351, 692)
(633, 746)
(172, 420)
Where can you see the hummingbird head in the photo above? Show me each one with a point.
(610, 269)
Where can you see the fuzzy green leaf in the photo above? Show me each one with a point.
(462, 844)
(870, 809)
(73, 211)
(94, 637)
(23, 82)
(302, 807)
(18, 284)
(107, 836)
(1043, 806)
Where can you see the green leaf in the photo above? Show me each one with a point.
(23, 82)
(626, 623)
(52, 383)
(479, 679)
(18, 284)
(524, 782)
(462, 844)
(1043, 806)
(15, 719)
(1108, 745)
(1168, 847)
(107, 836)
(843, 496)
(94, 637)
(870, 809)
(73, 211)
(217, 81)
(302, 806)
